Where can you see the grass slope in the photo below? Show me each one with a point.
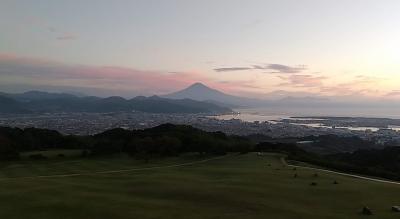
(237, 186)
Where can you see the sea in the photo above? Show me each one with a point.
(274, 114)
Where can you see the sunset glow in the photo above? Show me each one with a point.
(316, 48)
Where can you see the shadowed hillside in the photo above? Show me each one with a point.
(36, 101)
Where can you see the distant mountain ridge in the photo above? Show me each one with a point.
(197, 98)
(9, 105)
(38, 101)
(201, 92)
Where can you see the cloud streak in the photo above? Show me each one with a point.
(394, 93)
(67, 37)
(273, 68)
(286, 69)
(303, 80)
(58, 33)
(360, 85)
(232, 69)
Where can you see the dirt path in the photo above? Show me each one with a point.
(114, 171)
(343, 174)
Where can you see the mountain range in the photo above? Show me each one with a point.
(201, 92)
(197, 98)
(38, 101)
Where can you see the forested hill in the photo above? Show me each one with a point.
(43, 102)
(163, 140)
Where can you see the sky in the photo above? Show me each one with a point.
(253, 48)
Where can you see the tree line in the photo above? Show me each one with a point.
(163, 140)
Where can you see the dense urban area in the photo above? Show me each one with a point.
(92, 123)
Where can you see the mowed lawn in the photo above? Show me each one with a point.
(236, 186)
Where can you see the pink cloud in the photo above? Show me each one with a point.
(394, 93)
(31, 70)
(302, 80)
(361, 85)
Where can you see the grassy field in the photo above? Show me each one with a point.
(236, 186)
(53, 153)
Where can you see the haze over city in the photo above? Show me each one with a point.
(260, 49)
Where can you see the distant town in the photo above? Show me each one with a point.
(92, 123)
